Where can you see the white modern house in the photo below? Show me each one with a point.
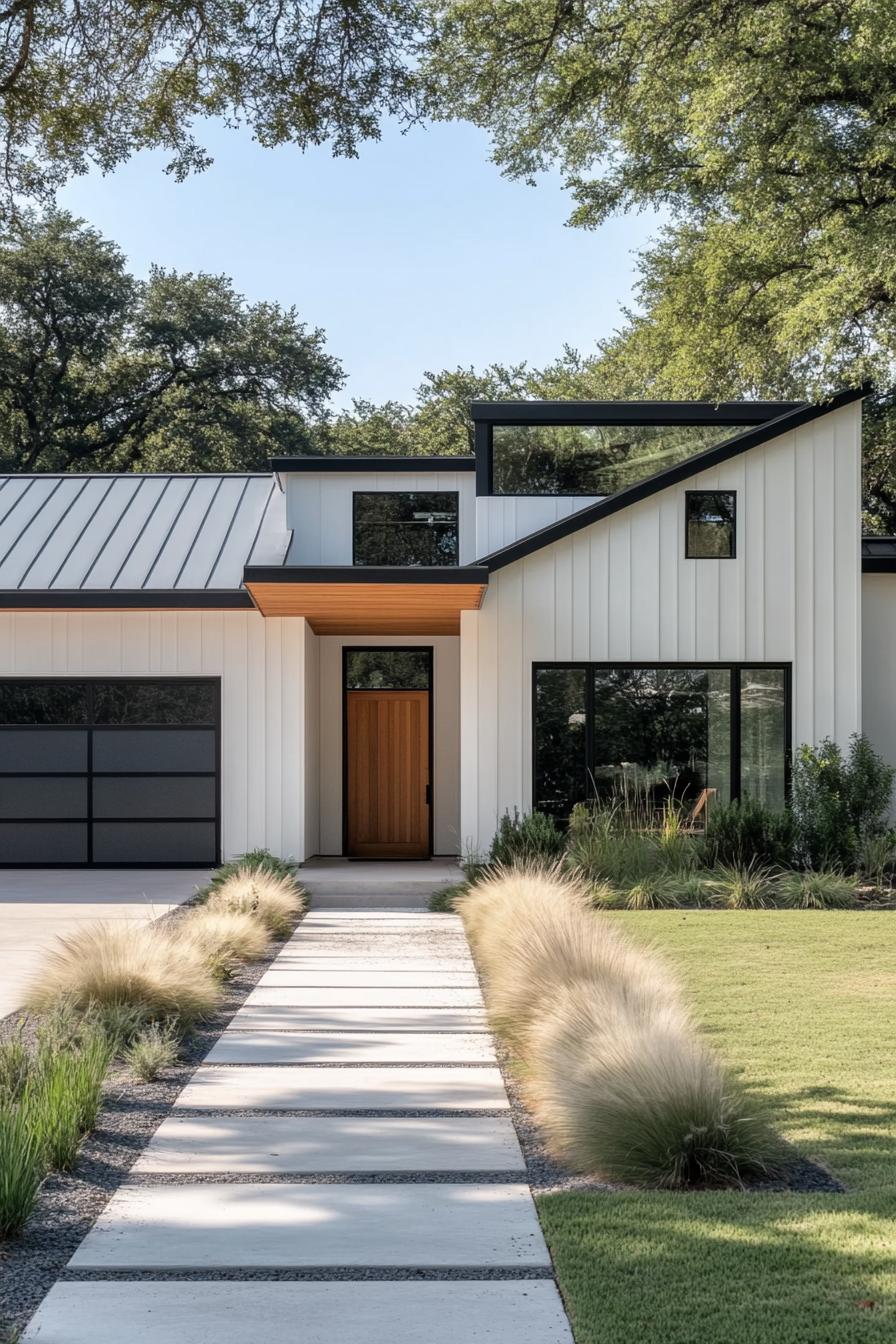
(378, 657)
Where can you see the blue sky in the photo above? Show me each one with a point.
(417, 255)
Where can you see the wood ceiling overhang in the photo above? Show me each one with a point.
(351, 600)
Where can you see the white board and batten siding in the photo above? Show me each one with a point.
(503, 519)
(261, 666)
(319, 509)
(621, 590)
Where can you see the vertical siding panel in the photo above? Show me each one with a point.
(815, 719)
(620, 591)
(670, 544)
(564, 597)
(235, 749)
(189, 642)
(514, 582)
(135, 642)
(274, 692)
(754, 587)
(257, 710)
(810, 532)
(847, 597)
(732, 573)
(293, 719)
(469, 730)
(59, 645)
(7, 651)
(780, 551)
(645, 582)
(596, 584)
(581, 594)
(491, 666)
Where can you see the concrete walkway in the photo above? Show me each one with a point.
(343, 1164)
(36, 904)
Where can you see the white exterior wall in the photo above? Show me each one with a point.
(261, 666)
(446, 735)
(879, 662)
(319, 509)
(621, 590)
(502, 519)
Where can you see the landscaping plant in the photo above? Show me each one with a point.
(531, 838)
(750, 886)
(817, 890)
(146, 967)
(277, 901)
(153, 1049)
(254, 860)
(839, 803)
(225, 938)
(615, 1071)
(443, 902)
(746, 831)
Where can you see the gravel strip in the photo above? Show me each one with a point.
(69, 1202)
(315, 1274)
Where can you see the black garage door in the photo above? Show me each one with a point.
(112, 772)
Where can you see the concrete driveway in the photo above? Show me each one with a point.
(38, 903)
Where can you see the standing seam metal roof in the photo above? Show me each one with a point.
(157, 533)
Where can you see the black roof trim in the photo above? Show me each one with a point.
(365, 574)
(358, 464)
(681, 471)
(630, 412)
(145, 599)
(879, 555)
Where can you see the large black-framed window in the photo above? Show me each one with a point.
(112, 771)
(650, 732)
(401, 527)
(710, 528)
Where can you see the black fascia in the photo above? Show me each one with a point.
(681, 471)
(118, 599)
(365, 574)
(361, 464)
(630, 412)
(879, 555)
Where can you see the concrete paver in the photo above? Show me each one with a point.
(521, 1311)
(290, 1145)
(304, 1088)
(365, 997)
(359, 1047)
(292, 1225)
(260, 1018)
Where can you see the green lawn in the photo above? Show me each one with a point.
(803, 1002)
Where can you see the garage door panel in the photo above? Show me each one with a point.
(50, 796)
(109, 771)
(43, 842)
(181, 750)
(155, 796)
(154, 842)
(51, 750)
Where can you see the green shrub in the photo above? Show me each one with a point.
(692, 889)
(153, 1049)
(22, 1167)
(877, 856)
(531, 838)
(817, 891)
(839, 803)
(63, 1095)
(442, 902)
(254, 860)
(751, 886)
(651, 893)
(746, 831)
(15, 1062)
(603, 846)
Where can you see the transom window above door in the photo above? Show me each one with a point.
(405, 528)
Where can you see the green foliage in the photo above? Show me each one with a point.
(606, 843)
(84, 85)
(22, 1167)
(651, 893)
(442, 902)
(746, 831)
(750, 886)
(153, 1049)
(839, 803)
(817, 891)
(255, 860)
(103, 372)
(526, 839)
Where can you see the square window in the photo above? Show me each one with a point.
(710, 524)
(405, 528)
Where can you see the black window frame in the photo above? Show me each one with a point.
(589, 666)
(702, 494)
(453, 495)
(88, 774)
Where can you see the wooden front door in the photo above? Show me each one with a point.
(387, 774)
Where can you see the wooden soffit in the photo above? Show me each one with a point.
(344, 601)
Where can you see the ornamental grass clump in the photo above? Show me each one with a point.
(615, 1070)
(152, 1050)
(142, 965)
(277, 901)
(817, 891)
(225, 938)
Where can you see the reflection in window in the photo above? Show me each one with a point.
(591, 459)
(560, 717)
(650, 734)
(43, 702)
(387, 669)
(710, 524)
(398, 528)
(763, 735)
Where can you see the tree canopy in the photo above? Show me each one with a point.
(91, 82)
(101, 371)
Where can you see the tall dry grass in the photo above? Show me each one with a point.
(616, 1072)
(276, 899)
(158, 972)
(225, 937)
